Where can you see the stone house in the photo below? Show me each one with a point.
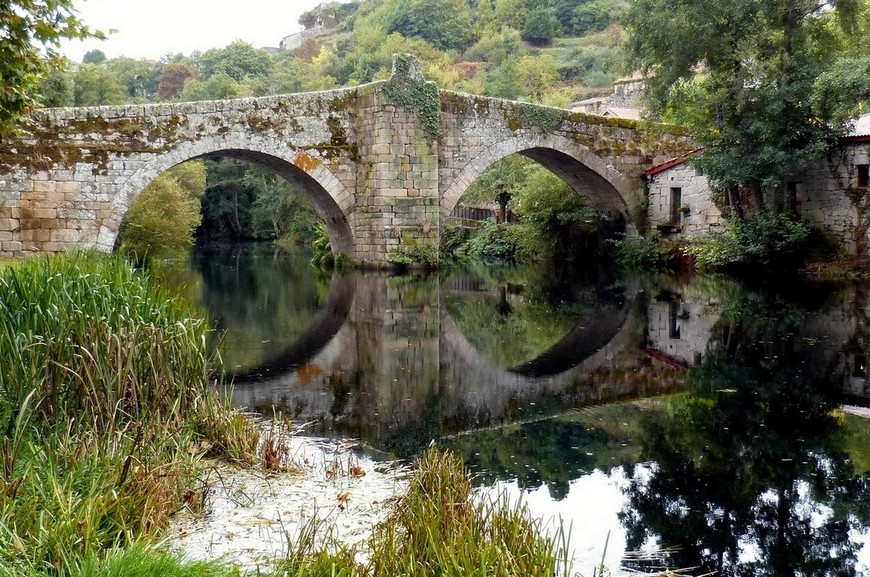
(834, 194)
(680, 202)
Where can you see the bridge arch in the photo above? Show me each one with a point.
(584, 171)
(331, 199)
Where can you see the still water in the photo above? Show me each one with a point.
(697, 418)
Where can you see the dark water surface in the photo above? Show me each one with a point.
(695, 416)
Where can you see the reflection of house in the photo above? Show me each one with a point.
(623, 102)
(832, 194)
(680, 326)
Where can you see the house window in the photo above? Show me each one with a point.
(863, 174)
(676, 202)
(860, 367)
(791, 203)
(674, 319)
(699, 171)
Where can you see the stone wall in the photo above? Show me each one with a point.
(700, 215)
(822, 194)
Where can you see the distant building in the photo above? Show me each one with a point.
(623, 102)
(324, 16)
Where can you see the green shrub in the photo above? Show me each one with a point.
(768, 240)
(637, 252)
(508, 242)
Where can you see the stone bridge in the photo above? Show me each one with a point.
(383, 163)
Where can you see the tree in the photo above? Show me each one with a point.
(56, 89)
(447, 24)
(217, 87)
(537, 75)
(95, 56)
(31, 34)
(139, 77)
(238, 60)
(759, 61)
(94, 85)
(162, 219)
(172, 79)
(541, 27)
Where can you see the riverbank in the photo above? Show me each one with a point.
(255, 518)
(115, 419)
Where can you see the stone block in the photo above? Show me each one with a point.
(8, 224)
(44, 186)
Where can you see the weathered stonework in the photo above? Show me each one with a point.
(696, 213)
(381, 175)
(827, 195)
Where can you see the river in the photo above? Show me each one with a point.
(697, 420)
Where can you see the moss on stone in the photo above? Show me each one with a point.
(407, 88)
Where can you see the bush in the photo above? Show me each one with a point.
(773, 241)
(637, 252)
(162, 219)
(508, 243)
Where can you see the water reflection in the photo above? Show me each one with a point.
(751, 470)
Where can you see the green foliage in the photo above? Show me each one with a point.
(416, 255)
(162, 219)
(753, 108)
(95, 85)
(508, 243)
(245, 201)
(219, 86)
(408, 88)
(842, 92)
(773, 241)
(238, 60)
(56, 89)
(95, 56)
(32, 34)
(139, 77)
(635, 252)
(541, 27)
(109, 403)
(143, 561)
(497, 47)
(446, 24)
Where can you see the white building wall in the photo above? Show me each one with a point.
(702, 216)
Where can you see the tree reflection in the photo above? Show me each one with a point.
(747, 474)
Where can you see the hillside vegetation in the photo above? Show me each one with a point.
(551, 52)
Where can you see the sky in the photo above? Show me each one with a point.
(152, 28)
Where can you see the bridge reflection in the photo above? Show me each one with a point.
(387, 362)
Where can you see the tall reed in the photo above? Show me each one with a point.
(107, 401)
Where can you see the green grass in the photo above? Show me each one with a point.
(439, 528)
(107, 405)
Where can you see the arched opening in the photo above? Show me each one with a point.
(264, 298)
(327, 196)
(535, 205)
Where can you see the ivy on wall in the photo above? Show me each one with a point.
(408, 88)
